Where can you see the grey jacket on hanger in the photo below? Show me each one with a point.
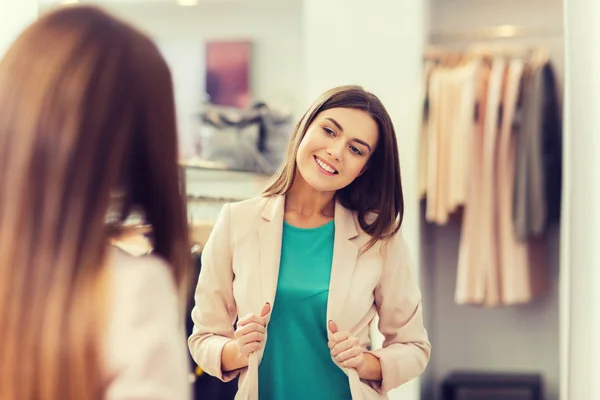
(538, 172)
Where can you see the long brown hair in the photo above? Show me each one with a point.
(86, 108)
(378, 191)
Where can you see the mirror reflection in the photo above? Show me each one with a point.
(372, 205)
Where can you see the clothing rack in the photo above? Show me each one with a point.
(536, 55)
(495, 32)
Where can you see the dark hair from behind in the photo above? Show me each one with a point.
(86, 110)
(378, 191)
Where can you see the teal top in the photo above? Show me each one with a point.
(297, 363)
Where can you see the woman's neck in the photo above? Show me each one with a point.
(306, 203)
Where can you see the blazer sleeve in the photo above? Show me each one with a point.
(406, 347)
(215, 310)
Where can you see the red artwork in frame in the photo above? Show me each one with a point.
(228, 70)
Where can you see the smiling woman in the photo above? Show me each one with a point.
(349, 128)
(330, 150)
(324, 249)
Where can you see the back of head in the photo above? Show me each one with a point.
(86, 108)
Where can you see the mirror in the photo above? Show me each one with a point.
(241, 70)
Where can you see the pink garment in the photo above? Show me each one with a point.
(470, 280)
(433, 127)
(462, 130)
(487, 222)
(468, 151)
(445, 140)
(423, 139)
(445, 94)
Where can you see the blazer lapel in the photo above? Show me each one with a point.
(270, 235)
(345, 254)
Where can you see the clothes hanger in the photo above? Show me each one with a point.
(539, 57)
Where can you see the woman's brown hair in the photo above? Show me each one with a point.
(86, 109)
(378, 191)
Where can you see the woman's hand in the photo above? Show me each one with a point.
(345, 348)
(250, 333)
(249, 337)
(347, 351)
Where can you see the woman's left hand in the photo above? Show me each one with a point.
(345, 348)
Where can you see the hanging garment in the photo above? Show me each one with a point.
(423, 145)
(538, 173)
(521, 264)
(444, 107)
(433, 127)
(446, 135)
(462, 130)
(488, 261)
(491, 142)
(447, 110)
(470, 281)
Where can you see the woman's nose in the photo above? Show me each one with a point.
(336, 150)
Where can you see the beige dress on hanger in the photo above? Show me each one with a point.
(464, 85)
(489, 207)
(444, 148)
(433, 127)
(423, 140)
(442, 144)
(470, 281)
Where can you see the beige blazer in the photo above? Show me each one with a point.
(144, 349)
(240, 265)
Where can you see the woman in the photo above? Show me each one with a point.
(87, 111)
(322, 247)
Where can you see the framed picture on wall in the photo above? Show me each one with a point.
(228, 71)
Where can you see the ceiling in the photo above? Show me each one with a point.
(57, 2)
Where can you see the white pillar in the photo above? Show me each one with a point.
(15, 15)
(377, 44)
(580, 306)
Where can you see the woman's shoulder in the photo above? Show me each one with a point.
(252, 208)
(129, 270)
(249, 205)
(394, 242)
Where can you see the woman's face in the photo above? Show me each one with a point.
(336, 148)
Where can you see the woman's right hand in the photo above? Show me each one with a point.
(250, 333)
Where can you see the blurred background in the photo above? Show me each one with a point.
(496, 110)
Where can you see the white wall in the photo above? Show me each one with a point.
(14, 17)
(524, 338)
(543, 17)
(187, 62)
(376, 44)
(273, 26)
(581, 250)
(460, 15)
(344, 46)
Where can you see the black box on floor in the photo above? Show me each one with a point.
(488, 386)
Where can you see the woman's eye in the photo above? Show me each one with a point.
(329, 132)
(356, 150)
